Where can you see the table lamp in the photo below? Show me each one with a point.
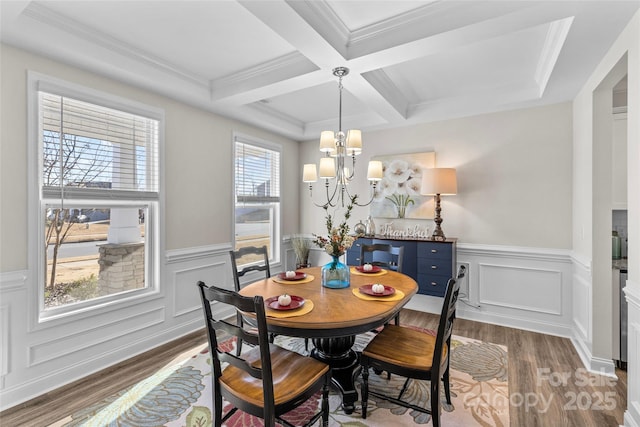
(438, 182)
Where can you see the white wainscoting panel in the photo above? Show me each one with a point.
(38, 360)
(4, 343)
(632, 414)
(71, 346)
(526, 288)
(521, 288)
(186, 298)
(581, 307)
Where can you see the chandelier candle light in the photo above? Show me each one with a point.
(337, 147)
(438, 182)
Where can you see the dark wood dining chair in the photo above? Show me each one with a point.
(252, 258)
(385, 256)
(266, 381)
(414, 354)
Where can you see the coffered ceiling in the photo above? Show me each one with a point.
(269, 62)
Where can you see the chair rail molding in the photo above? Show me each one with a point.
(195, 253)
(13, 280)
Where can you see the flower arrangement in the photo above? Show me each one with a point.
(338, 239)
(401, 182)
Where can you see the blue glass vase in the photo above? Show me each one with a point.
(335, 274)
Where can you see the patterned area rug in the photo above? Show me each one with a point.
(180, 394)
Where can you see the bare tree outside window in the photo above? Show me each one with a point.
(77, 162)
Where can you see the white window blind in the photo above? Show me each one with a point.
(257, 174)
(96, 150)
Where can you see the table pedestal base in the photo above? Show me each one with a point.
(338, 353)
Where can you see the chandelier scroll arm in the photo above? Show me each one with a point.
(374, 185)
(341, 145)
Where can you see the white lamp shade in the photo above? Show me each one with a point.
(327, 141)
(354, 142)
(309, 173)
(374, 172)
(439, 181)
(327, 168)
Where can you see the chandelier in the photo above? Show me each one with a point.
(334, 169)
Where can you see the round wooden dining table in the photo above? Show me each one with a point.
(336, 317)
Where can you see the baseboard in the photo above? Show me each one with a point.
(593, 364)
(584, 353)
(547, 328)
(632, 415)
(596, 365)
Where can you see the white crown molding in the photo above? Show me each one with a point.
(397, 24)
(323, 19)
(276, 70)
(388, 90)
(556, 37)
(265, 109)
(44, 15)
(313, 129)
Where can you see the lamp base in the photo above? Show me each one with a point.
(438, 234)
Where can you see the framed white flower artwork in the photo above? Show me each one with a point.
(398, 193)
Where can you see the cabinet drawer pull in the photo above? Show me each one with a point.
(434, 284)
(434, 267)
(434, 251)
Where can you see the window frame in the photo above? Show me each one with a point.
(275, 226)
(39, 317)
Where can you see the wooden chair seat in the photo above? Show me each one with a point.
(404, 347)
(266, 380)
(291, 373)
(414, 354)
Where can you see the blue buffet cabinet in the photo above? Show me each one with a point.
(430, 262)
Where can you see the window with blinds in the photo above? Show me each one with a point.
(257, 195)
(99, 195)
(90, 148)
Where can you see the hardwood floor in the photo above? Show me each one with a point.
(548, 385)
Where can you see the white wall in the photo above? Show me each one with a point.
(512, 213)
(196, 235)
(588, 234)
(514, 175)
